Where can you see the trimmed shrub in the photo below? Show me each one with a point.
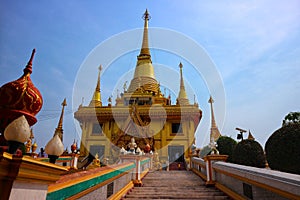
(250, 153)
(282, 149)
(226, 146)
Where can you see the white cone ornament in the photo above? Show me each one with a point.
(18, 130)
(123, 151)
(54, 146)
(138, 151)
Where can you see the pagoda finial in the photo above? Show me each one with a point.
(182, 96)
(28, 68)
(146, 15)
(214, 131)
(96, 100)
(145, 45)
(59, 129)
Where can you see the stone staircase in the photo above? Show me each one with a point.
(174, 185)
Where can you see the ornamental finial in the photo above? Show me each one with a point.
(28, 68)
(146, 15)
(210, 100)
(180, 65)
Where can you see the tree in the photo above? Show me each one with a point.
(292, 117)
(225, 146)
(249, 152)
(282, 149)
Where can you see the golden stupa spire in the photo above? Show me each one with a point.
(144, 72)
(214, 131)
(145, 45)
(182, 97)
(59, 129)
(96, 100)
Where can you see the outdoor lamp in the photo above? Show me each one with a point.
(54, 148)
(16, 133)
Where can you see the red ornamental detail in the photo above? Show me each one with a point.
(73, 147)
(147, 148)
(20, 97)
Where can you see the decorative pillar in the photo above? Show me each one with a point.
(138, 182)
(137, 160)
(74, 161)
(209, 160)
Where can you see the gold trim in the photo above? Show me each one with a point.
(58, 186)
(122, 192)
(142, 175)
(33, 161)
(261, 185)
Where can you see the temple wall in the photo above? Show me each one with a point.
(27, 190)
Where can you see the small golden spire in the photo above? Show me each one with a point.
(96, 100)
(34, 147)
(214, 131)
(182, 97)
(250, 136)
(59, 129)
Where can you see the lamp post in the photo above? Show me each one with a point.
(240, 135)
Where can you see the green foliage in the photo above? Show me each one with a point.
(282, 149)
(292, 117)
(250, 153)
(225, 146)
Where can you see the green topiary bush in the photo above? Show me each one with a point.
(282, 149)
(225, 146)
(250, 153)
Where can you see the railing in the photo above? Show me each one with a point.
(110, 182)
(198, 166)
(44, 180)
(100, 181)
(244, 182)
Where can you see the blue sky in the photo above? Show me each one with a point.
(254, 46)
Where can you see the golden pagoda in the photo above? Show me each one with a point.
(214, 131)
(141, 112)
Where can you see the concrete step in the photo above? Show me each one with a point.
(174, 185)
